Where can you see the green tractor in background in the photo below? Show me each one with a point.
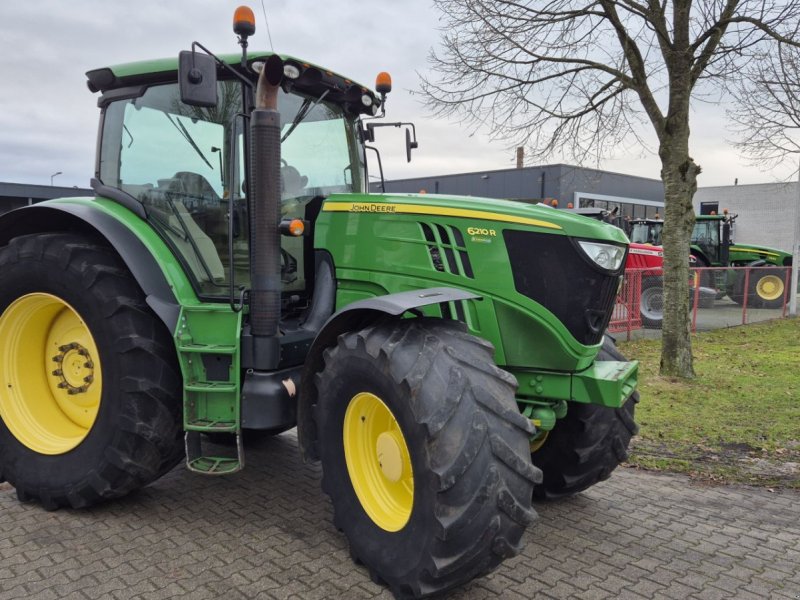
(712, 246)
(444, 358)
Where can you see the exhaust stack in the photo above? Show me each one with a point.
(265, 240)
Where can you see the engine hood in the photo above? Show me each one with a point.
(492, 210)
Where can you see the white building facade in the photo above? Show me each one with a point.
(767, 211)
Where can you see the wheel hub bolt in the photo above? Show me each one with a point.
(72, 361)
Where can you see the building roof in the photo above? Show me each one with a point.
(40, 192)
(528, 168)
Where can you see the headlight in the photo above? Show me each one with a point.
(291, 71)
(605, 256)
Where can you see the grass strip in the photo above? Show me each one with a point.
(738, 420)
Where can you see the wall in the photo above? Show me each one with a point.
(767, 211)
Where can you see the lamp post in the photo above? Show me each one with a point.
(796, 254)
(53, 175)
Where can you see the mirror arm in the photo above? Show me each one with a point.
(222, 64)
(380, 168)
(370, 134)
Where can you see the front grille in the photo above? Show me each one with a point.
(447, 249)
(554, 271)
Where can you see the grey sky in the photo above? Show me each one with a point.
(48, 118)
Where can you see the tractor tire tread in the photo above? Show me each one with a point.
(430, 360)
(147, 441)
(587, 445)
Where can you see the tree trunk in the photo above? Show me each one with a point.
(679, 175)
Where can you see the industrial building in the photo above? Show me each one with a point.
(566, 184)
(15, 195)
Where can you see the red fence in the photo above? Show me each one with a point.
(720, 297)
(627, 316)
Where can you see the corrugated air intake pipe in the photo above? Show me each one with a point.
(265, 195)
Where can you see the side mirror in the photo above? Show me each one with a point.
(410, 145)
(197, 74)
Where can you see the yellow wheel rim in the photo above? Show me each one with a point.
(770, 287)
(50, 376)
(378, 462)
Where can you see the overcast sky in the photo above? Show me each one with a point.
(48, 118)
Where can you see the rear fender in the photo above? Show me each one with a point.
(84, 217)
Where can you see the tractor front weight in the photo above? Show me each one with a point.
(605, 383)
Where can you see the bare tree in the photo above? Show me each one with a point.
(581, 77)
(766, 116)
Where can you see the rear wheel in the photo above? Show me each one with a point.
(89, 390)
(651, 302)
(735, 286)
(703, 278)
(586, 445)
(424, 454)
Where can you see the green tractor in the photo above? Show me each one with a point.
(712, 246)
(444, 358)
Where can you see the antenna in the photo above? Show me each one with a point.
(266, 21)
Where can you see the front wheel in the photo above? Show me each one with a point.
(586, 445)
(767, 287)
(90, 396)
(424, 454)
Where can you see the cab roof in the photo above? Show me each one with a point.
(165, 70)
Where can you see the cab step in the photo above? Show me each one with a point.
(200, 460)
(208, 348)
(211, 426)
(208, 352)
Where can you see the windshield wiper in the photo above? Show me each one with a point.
(305, 108)
(188, 137)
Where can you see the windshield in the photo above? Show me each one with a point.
(319, 148)
(186, 165)
(647, 233)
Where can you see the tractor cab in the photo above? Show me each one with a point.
(195, 192)
(712, 237)
(647, 231)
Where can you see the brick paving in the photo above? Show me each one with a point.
(267, 533)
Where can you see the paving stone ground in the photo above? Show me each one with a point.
(266, 533)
